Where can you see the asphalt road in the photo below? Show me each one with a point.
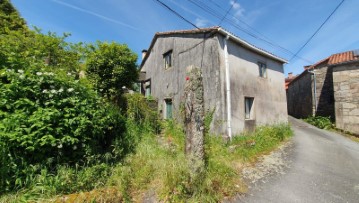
(324, 167)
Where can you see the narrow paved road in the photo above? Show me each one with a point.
(324, 167)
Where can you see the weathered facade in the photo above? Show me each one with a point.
(327, 88)
(255, 85)
(346, 94)
(300, 100)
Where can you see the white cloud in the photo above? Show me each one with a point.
(95, 14)
(238, 9)
(201, 23)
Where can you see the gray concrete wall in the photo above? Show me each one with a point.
(189, 50)
(269, 93)
(346, 93)
(300, 96)
(270, 104)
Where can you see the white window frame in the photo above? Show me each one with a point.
(168, 59)
(262, 67)
(249, 108)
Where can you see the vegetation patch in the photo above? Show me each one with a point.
(320, 122)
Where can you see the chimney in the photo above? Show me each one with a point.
(290, 75)
(144, 52)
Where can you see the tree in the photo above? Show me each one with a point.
(10, 18)
(111, 66)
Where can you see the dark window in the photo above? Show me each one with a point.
(248, 103)
(262, 69)
(167, 57)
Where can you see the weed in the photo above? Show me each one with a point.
(320, 122)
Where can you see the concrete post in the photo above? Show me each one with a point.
(193, 120)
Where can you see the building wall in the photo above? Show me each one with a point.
(346, 93)
(299, 96)
(189, 50)
(270, 104)
(325, 93)
(269, 93)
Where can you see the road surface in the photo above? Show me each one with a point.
(324, 167)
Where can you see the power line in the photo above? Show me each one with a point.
(174, 12)
(227, 12)
(214, 13)
(320, 27)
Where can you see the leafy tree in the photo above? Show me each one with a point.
(10, 18)
(18, 51)
(111, 66)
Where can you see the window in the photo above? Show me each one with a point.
(167, 57)
(249, 113)
(262, 69)
(148, 89)
(168, 111)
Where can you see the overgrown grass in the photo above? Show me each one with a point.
(327, 124)
(158, 169)
(320, 122)
(159, 165)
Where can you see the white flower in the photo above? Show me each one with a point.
(22, 76)
(20, 71)
(38, 73)
(101, 90)
(70, 89)
(44, 91)
(61, 90)
(68, 73)
(53, 91)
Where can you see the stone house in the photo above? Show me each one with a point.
(328, 88)
(243, 84)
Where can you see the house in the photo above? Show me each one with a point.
(243, 84)
(328, 88)
(288, 79)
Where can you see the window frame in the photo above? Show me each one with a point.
(249, 109)
(168, 101)
(168, 63)
(147, 86)
(262, 66)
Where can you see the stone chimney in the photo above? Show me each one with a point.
(144, 52)
(290, 75)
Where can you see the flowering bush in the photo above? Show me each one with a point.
(50, 119)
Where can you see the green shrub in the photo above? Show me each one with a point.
(47, 119)
(320, 122)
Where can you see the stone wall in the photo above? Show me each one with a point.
(346, 93)
(299, 96)
(325, 94)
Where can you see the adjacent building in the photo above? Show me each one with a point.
(243, 84)
(328, 88)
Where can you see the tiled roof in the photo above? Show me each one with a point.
(336, 59)
(342, 57)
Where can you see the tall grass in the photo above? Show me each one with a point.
(159, 165)
(158, 169)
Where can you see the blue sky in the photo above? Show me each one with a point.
(284, 23)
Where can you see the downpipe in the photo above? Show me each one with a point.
(228, 89)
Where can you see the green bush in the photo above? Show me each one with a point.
(47, 119)
(320, 122)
